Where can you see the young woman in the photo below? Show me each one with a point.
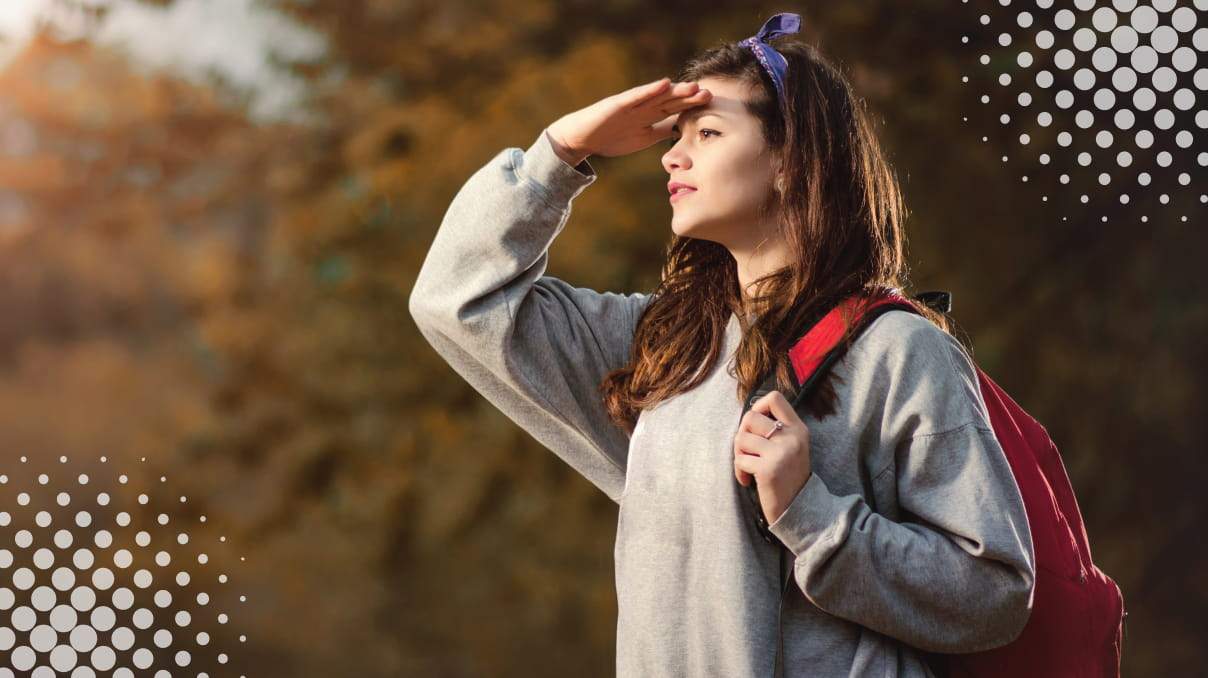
(901, 518)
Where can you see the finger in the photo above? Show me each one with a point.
(644, 93)
(757, 423)
(678, 90)
(662, 129)
(775, 405)
(748, 465)
(675, 105)
(752, 443)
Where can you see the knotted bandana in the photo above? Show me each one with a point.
(775, 64)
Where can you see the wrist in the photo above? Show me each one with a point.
(570, 156)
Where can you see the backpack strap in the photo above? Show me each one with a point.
(813, 355)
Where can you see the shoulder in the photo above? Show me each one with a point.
(928, 381)
(897, 336)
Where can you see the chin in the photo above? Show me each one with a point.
(691, 228)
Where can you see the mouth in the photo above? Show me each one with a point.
(680, 193)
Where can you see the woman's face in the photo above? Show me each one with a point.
(719, 149)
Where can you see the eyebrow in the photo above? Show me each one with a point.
(694, 113)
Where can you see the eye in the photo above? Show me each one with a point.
(703, 130)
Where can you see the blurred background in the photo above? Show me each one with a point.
(212, 213)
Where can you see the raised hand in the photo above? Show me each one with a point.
(625, 122)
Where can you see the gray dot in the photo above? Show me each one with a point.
(1104, 59)
(1144, 59)
(1164, 79)
(1084, 78)
(1125, 119)
(1144, 19)
(1164, 39)
(1104, 19)
(1063, 59)
(1183, 19)
(1144, 99)
(1183, 59)
(1085, 39)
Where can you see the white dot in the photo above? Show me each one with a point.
(1183, 19)
(1105, 99)
(1164, 39)
(1144, 99)
(1084, 78)
(142, 579)
(1104, 59)
(1124, 79)
(83, 598)
(1144, 59)
(142, 658)
(1085, 39)
(102, 618)
(23, 578)
(1063, 59)
(1183, 59)
(1144, 19)
(83, 638)
(1104, 19)
(102, 658)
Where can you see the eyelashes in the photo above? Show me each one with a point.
(671, 142)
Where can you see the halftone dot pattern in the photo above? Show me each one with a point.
(87, 589)
(1115, 89)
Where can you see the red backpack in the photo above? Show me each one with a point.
(1077, 621)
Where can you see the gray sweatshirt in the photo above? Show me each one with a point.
(910, 535)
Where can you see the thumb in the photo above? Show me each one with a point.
(662, 128)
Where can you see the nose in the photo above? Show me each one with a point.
(675, 158)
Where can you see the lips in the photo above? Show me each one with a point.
(679, 189)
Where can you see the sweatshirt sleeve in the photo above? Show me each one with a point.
(956, 574)
(533, 345)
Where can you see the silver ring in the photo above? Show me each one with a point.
(776, 426)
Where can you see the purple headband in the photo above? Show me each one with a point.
(775, 64)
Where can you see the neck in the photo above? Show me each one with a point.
(755, 261)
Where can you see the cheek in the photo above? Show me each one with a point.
(742, 188)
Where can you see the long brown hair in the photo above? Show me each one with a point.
(840, 214)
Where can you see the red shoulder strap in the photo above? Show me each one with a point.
(815, 349)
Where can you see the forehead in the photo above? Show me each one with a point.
(726, 102)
